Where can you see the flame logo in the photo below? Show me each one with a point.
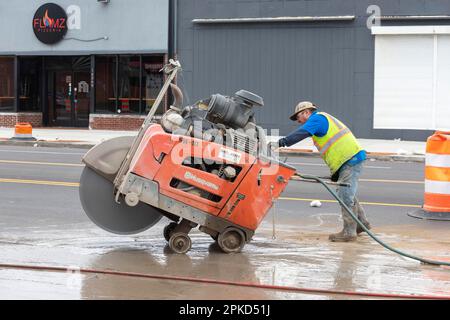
(47, 21)
(50, 23)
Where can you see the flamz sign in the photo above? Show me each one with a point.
(50, 23)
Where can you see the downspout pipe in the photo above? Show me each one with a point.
(171, 42)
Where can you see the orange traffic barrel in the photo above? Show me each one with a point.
(437, 179)
(23, 131)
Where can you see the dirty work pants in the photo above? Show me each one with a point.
(349, 173)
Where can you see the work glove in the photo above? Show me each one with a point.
(273, 146)
(335, 176)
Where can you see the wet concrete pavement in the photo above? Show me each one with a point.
(43, 224)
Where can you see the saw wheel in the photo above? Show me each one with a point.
(232, 240)
(97, 199)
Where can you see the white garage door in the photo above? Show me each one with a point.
(412, 78)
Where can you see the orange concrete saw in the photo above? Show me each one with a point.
(204, 165)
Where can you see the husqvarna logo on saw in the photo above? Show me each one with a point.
(193, 177)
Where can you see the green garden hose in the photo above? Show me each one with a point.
(426, 261)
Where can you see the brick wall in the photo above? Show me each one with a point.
(115, 122)
(96, 121)
(8, 119)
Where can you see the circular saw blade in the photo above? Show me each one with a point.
(97, 199)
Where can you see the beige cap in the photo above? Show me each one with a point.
(300, 107)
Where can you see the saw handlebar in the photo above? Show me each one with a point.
(171, 69)
(299, 177)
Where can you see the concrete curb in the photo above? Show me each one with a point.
(48, 144)
(397, 157)
(282, 153)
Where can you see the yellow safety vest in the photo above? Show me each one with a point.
(338, 145)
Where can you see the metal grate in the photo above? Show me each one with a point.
(244, 143)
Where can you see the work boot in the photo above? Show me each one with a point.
(359, 229)
(348, 233)
(343, 236)
(358, 209)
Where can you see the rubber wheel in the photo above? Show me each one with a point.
(168, 230)
(232, 240)
(180, 242)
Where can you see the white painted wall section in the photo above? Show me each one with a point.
(412, 78)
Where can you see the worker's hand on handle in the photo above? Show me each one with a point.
(273, 146)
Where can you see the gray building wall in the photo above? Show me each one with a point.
(329, 63)
(139, 26)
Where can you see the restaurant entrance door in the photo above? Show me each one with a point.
(69, 91)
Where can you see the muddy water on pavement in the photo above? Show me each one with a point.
(297, 257)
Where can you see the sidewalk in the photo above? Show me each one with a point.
(85, 138)
(376, 149)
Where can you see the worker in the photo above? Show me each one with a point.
(341, 152)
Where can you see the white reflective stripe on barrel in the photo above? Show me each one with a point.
(437, 160)
(439, 187)
(23, 135)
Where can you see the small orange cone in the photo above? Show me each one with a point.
(23, 131)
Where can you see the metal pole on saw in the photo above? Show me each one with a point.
(171, 69)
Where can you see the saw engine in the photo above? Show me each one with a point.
(204, 165)
(220, 119)
(227, 121)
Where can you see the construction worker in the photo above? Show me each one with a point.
(341, 152)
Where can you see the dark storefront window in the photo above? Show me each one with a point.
(105, 84)
(152, 82)
(138, 82)
(7, 91)
(129, 74)
(29, 79)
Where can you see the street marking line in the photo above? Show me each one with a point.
(82, 165)
(392, 181)
(43, 163)
(361, 202)
(45, 152)
(41, 182)
(76, 184)
(324, 165)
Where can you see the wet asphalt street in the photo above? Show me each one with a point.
(42, 223)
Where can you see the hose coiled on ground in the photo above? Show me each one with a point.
(350, 212)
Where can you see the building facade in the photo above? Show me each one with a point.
(379, 65)
(79, 63)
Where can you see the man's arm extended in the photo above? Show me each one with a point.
(294, 137)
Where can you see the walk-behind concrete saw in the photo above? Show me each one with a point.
(204, 165)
